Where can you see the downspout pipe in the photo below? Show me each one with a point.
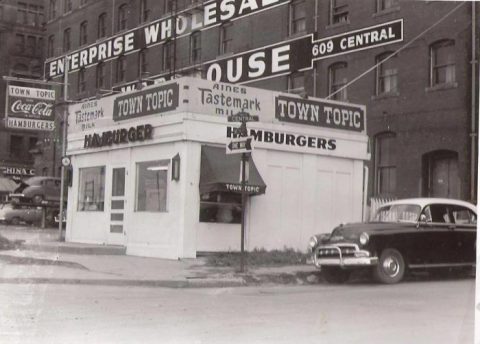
(473, 122)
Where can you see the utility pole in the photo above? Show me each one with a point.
(64, 148)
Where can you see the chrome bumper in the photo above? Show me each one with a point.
(359, 258)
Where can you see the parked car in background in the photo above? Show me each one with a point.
(409, 234)
(16, 214)
(37, 189)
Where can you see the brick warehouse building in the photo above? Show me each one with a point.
(422, 108)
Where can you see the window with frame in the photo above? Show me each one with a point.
(52, 9)
(83, 38)
(338, 12)
(385, 168)
(39, 47)
(442, 63)
(298, 17)
(121, 69)
(30, 47)
(383, 5)
(226, 38)
(196, 47)
(19, 44)
(91, 193)
(81, 81)
(220, 207)
(16, 146)
(144, 11)
(35, 15)
(32, 144)
(151, 186)
(22, 13)
(100, 76)
(142, 62)
(463, 216)
(296, 83)
(122, 17)
(83, 2)
(386, 75)
(67, 6)
(337, 78)
(102, 25)
(66, 40)
(167, 55)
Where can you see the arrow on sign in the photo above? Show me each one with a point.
(240, 145)
(242, 117)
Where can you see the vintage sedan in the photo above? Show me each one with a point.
(36, 190)
(420, 233)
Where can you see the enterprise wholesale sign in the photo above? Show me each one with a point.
(212, 13)
(322, 113)
(30, 108)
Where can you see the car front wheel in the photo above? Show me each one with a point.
(335, 275)
(37, 199)
(390, 268)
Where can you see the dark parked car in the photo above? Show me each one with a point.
(15, 214)
(421, 233)
(37, 189)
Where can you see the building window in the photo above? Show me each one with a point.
(100, 76)
(298, 15)
(121, 70)
(226, 38)
(441, 176)
(83, 2)
(151, 188)
(196, 47)
(385, 168)
(142, 63)
(102, 25)
(386, 75)
(30, 48)
(442, 63)
(221, 207)
(144, 11)
(22, 13)
(170, 6)
(40, 45)
(91, 193)
(34, 15)
(16, 146)
(168, 55)
(20, 44)
(67, 6)
(83, 33)
(82, 85)
(52, 9)
(32, 144)
(122, 17)
(296, 83)
(338, 11)
(383, 5)
(66, 40)
(337, 78)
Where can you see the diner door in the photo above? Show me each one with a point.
(116, 235)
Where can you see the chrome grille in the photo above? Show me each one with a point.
(334, 251)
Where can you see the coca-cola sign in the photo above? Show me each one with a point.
(30, 108)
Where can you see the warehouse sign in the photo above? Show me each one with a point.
(30, 108)
(299, 54)
(320, 113)
(212, 13)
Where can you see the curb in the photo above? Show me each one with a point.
(97, 250)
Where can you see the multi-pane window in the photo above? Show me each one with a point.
(383, 5)
(142, 63)
(67, 6)
(385, 168)
(337, 79)
(66, 40)
(167, 55)
(30, 48)
(100, 76)
(19, 44)
(442, 63)
(83, 33)
(296, 82)
(226, 38)
(102, 25)
(121, 70)
(196, 47)
(39, 50)
(34, 15)
(16, 146)
(83, 2)
(52, 9)
(82, 85)
(91, 193)
(22, 13)
(122, 17)
(338, 11)
(144, 11)
(298, 21)
(51, 46)
(386, 75)
(151, 188)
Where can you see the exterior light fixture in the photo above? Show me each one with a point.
(176, 167)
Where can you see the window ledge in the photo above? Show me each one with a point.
(226, 54)
(441, 87)
(337, 25)
(297, 34)
(386, 12)
(386, 96)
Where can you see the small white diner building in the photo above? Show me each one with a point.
(150, 169)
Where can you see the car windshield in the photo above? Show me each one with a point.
(398, 213)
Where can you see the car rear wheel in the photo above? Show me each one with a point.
(37, 199)
(333, 274)
(390, 268)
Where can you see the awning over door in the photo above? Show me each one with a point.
(221, 172)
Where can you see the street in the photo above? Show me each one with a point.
(440, 311)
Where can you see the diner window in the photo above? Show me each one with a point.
(91, 193)
(383, 5)
(82, 85)
(52, 9)
(142, 63)
(385, 168)
(144, 11)
(298, 15)
(386, 75)
(122, 17)
(221, 207)
(151, 186)
(83, 33)
(337, 78)
(442, 63)
(102, 25)
(195, 47)
(338, 12)
(121, 69)
(100, 76)
(66, 40)
(296, 83)
(226, 38)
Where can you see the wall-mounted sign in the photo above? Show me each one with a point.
(18, 171)
(210, 13)
(155, 100)
(119, 136)
(90, 115)
(30, 108)
(320, 113)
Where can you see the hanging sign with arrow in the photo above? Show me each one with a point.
(240, 145)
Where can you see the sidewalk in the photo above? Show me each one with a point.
(41, 258)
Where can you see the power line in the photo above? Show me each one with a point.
(397, 51)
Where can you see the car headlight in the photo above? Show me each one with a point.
(312, 242)
(364, 238)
